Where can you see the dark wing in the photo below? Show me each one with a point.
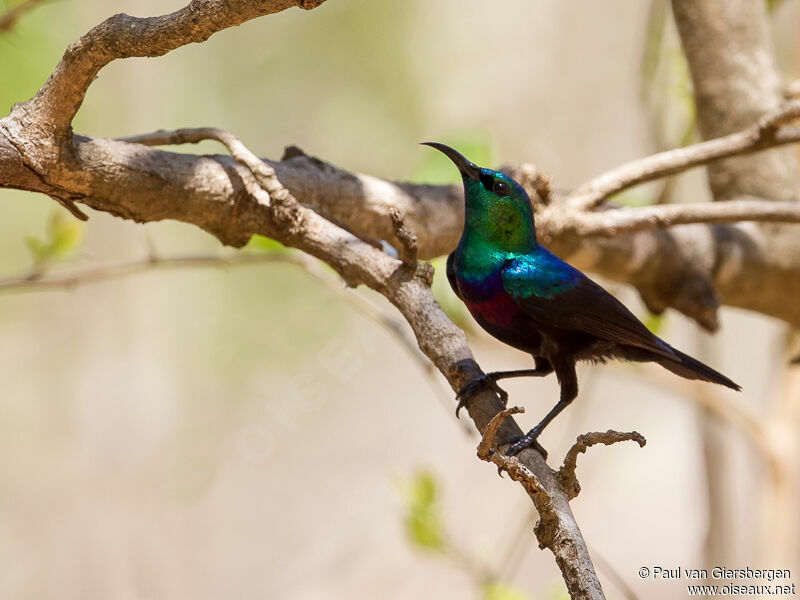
(579, 304)
(451, 274)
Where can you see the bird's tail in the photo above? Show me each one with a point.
(690, 368)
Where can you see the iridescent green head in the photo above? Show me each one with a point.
(498, 211)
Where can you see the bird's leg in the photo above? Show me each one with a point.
(490, 380)
(569, 391)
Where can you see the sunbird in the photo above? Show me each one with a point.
(527, 297)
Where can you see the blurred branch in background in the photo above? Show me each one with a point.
(9, 18)
(666, 89)
(39, 280)
(728, 49)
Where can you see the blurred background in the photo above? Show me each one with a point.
(256, 432)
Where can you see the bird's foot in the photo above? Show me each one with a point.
(474, 386)
(520, 442)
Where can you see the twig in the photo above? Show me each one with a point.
(566, 474)
(769, 132)
(510, 464)
(408, 239)
(38, 281)
(264, 173)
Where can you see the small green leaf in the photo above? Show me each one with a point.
(65, 233)
(654, 322)
(422, 519)
(63, 236)
(263, 245)
(494, 590)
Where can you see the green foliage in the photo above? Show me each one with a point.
(493, 590)
(63, 236)
(422, 518)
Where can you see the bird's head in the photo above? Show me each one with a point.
(497, 209)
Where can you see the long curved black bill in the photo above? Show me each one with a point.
(467, 168)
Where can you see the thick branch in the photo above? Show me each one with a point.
(692, 268)
(362, 203)
(279, 216)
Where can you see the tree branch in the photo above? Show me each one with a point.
(566, 474)
(617, 221)
(278, 215)
(123, 36)
(767, 133)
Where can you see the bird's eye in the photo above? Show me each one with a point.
(500, 188)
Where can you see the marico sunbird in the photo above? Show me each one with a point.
(525, 296)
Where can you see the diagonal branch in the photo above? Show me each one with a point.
(439, 338)
(767, 133)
